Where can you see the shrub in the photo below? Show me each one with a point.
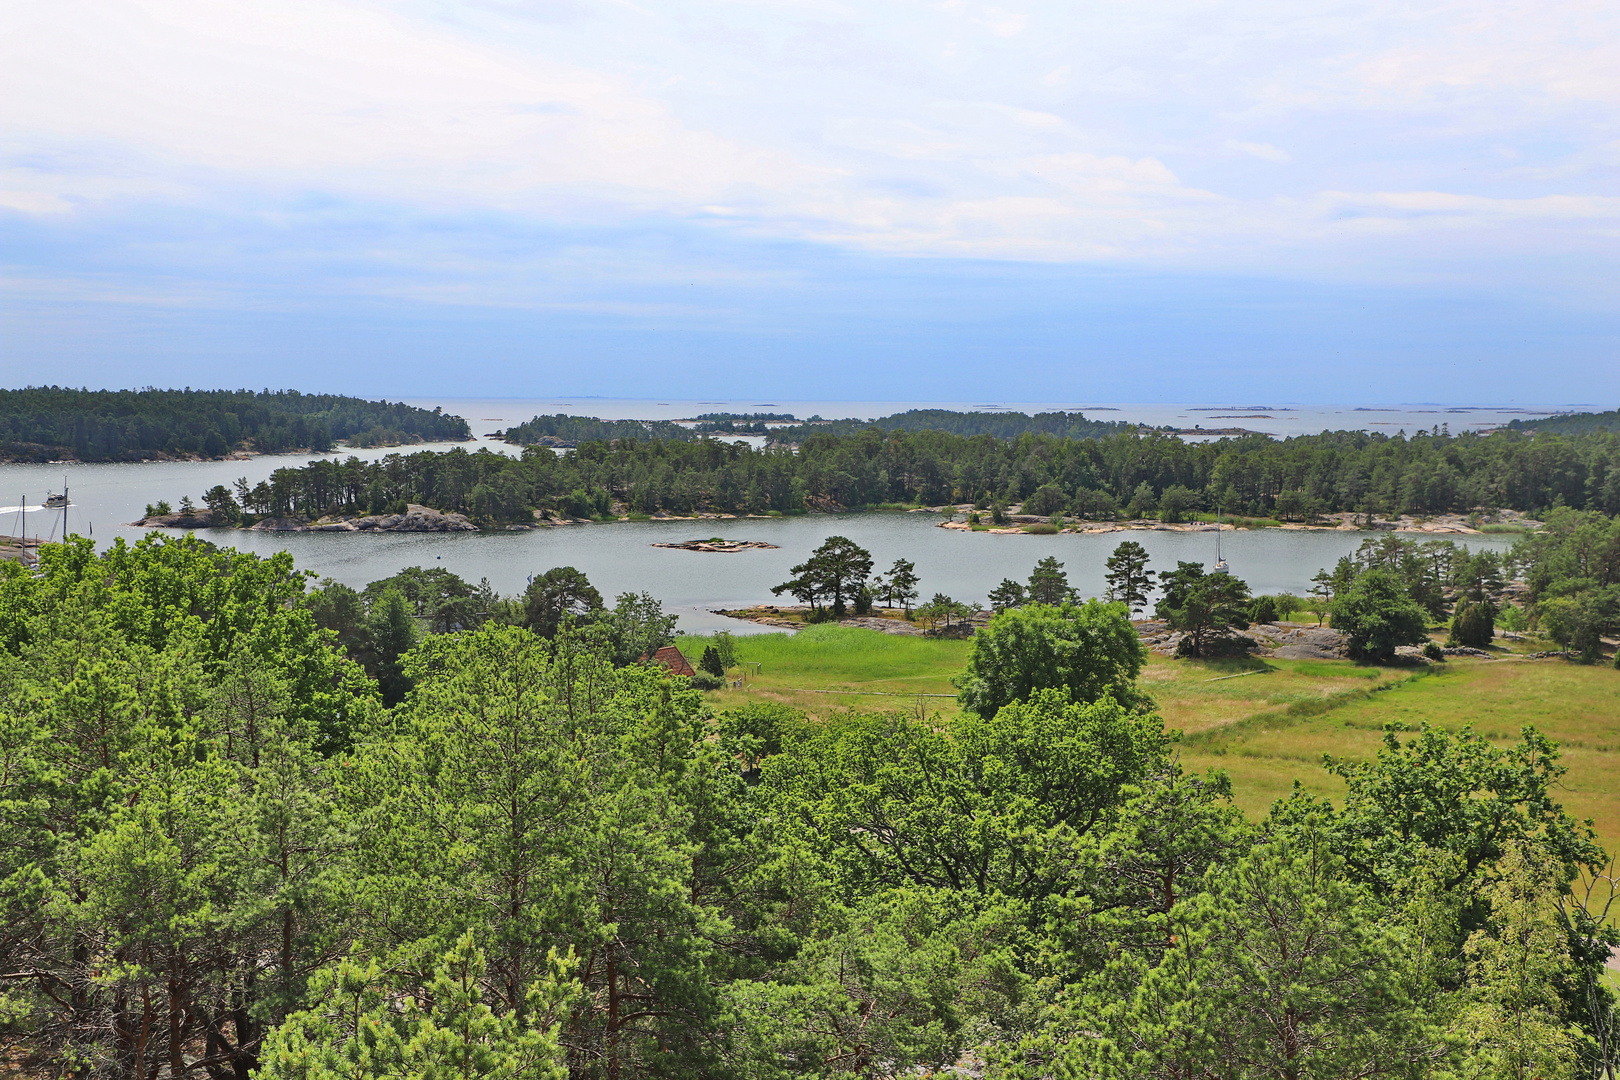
(1263, 610)
(1513, 619)
(1433, 651)
(726, 645)
(711, 662)
(703, 680)
(1473, 625)
(1287, 604)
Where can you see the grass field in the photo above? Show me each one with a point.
(1267, 726)
(826, 668)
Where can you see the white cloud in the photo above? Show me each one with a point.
(1004, 23)
(1263, 151)
(892, 127)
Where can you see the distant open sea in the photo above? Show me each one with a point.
(1281, 420)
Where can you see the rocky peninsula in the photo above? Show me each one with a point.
(415, 519)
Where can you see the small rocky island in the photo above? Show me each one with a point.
(717, 544)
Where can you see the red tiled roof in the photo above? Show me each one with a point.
(671, 658)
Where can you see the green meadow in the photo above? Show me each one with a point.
(1266, 722)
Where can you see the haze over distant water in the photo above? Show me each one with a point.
(490, 414)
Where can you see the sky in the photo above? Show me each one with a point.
(1156, 200)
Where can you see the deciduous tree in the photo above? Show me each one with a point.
(1082, 650)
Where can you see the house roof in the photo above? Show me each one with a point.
(671, 658)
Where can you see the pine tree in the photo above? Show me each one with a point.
(1048, 584)
(711, 662)
(390, 634)
(1128, 577)
(1009, 594)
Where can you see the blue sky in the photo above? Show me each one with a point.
(1163, 200)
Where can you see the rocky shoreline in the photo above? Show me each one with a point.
(1434, 525)
(418, 518)
(415, 519)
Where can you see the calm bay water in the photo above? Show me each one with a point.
(619, 558)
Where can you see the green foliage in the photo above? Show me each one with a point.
(1571, 423)
(1282, 968)
(549, 803)
(889, 801)
(889, 986)
(755, 731)
(220, 856)
(358, 1028)
(133, 425)
(1202, 606)
(835, 571)
(1512, 618)
(725, 644)
(1129, 579)
(1516, 963)
(1048, 499)
(1334, 471)
(562, 596)
(1452, 795)
(440, 599)
(899, 586)
(390, 633)
(637, 627)
(1048, 583)
(563, 429)
(1176, 502)
(937, 614)
(1473, 625)
(222, 505)
(173, 865)
(1377, 615)
(710, 662)
(1084, 650)
(1009, 594)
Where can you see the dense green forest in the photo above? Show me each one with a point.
(222, 856)
(1001, 425)
(577, 429)
(1572, 423)
(1125, 474)
(43, 423)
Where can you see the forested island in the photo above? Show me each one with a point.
(1127, 474)
(786, 429)
(420, 830)
(54, 423)
(1572, 423)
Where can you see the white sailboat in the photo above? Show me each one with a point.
(1220, 564)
